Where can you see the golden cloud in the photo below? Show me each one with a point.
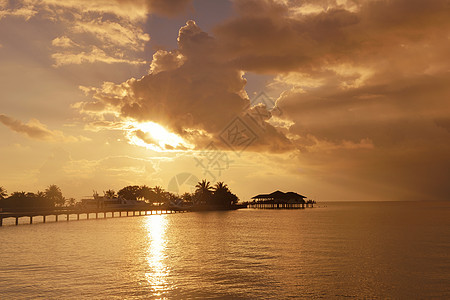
(36, 130)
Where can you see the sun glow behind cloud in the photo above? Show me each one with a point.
(153, 136)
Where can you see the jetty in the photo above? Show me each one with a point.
(86, 214)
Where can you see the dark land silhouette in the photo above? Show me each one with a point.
(51, 198)
(205, 197)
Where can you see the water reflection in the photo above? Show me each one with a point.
(158, 271)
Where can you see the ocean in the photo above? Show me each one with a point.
(397, 250)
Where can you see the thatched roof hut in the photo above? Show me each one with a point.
(279, 197)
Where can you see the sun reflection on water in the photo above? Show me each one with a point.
(158, 271)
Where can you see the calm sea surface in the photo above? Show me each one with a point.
(337, 250)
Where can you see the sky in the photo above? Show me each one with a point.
(333, 99)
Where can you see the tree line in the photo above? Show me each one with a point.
(205, 194)
(50, 198)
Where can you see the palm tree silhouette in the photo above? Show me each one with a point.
(40, 195)
(203, 186)
(203, 191)
(71, 202)
(146, 193)
(159, 194)
(186, 196)
(53, 192)
(221, 194)
(220, 187)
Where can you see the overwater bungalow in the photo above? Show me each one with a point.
(279, 199)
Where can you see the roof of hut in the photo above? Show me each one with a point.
(279, 195)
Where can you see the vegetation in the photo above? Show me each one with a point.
(54, 194)
(110, 194)
(217, 196)
(26, 201)
(155, 195)
(205, 195)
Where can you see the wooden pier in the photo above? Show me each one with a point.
(90, 214)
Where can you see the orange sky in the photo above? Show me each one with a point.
(337, 100)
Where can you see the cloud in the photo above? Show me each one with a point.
(387, 135)
(127, 10)
(114, 33)
(191, 91)
(94, 55)
(25, 9)
(93, 31)
(163, 7)
(64, 42)
(36, 130)
(96, 36)
(266, 36)
(168, 7)
(165, 61)
(364, 86)
(96, 31)
(363, 90)
(33, 129)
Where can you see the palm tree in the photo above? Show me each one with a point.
(3, 193)
(203, 186)
(186, 197)
(221, 194)
(43, 201)
(53, 193)
(220, 187)
(159, 194)
(40, 195)
(146, 193)
(158, 190)
(203, 191)
(71, 202)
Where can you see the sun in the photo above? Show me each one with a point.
(153, 136)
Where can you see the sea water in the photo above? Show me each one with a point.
(335, 250)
